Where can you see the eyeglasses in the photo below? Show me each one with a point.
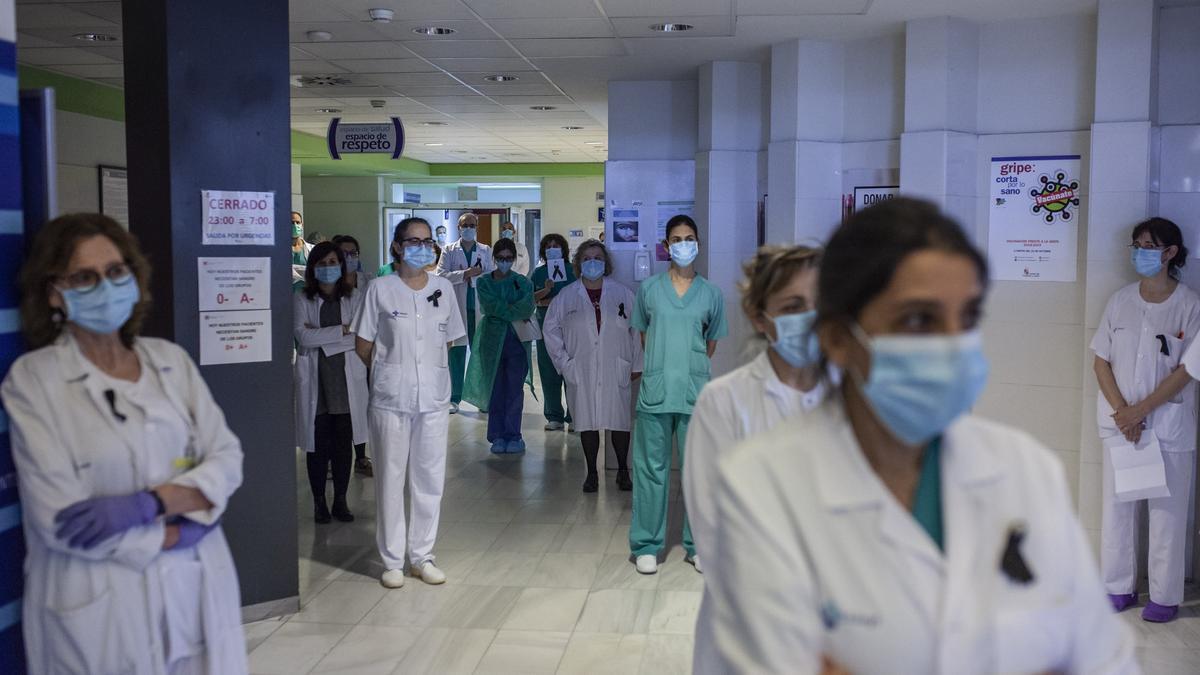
(505, 259)
(1146, 247)
(85, 281)
(413, 241)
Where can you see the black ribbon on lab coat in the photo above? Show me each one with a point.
(621, 311)
(1012, 563)
(434, 298)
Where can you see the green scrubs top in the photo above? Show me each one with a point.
(677, 332)
(927, 503)
(538, 277)
(299, 257)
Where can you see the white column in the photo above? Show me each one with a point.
(1120, 195)
(732, 136)
(805, 154)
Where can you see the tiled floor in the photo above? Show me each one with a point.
(539, 581)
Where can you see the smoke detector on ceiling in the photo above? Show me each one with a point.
(319, 36)
(381, 15)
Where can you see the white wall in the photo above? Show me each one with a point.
(569, 202)
(873, 89)
(339, 205)
(84, 143)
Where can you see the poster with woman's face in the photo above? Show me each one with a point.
(625, 226)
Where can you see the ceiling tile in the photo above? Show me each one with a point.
(615, 8)
(474, 79)
(520, 88)
(32, 41)
(413, 65)
(94, 71)
(402, 80)
(108, 11)
(463, 49)
(58, 56)
(419, 92)
(414, 10)
(343, 31)
(485, 66)
(525, 101)
(63, 34)
(801, 7)
(533, 9)
(450, 100)
(377, 49)
(315, 11)
(52, 15)
(457, 108)
(314, 68)
(705, 26)
(560, 48)
(303, 104)
(558, 28)
(337, 92)
(463, 30)
(297, 54)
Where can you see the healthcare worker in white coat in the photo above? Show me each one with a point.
(1141, 349)
(125, 465)
(404, 328)
(779, 297)
(521, 266)
(590, 341)
(358, 278)
(330, 380)
(461, 262)
(888, 531)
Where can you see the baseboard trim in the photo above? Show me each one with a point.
(271, 609)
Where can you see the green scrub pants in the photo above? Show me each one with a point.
(552, 383)
(652, 435)
(458, 361)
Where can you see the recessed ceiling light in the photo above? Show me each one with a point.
(433, 124)
(671, 27)
(501, 78)
(541, 107)
(95, 37)
(459, 152)
(572, 128)
(329, 110)
(433, 30)
(594, 143)
(319, 36)
(434, 145)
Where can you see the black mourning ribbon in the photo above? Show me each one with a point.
(1012, 563)
(111, 397)
(516, 285)
(621, 311)
(1162, 339)
(434, 298)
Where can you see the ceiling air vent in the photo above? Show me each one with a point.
(321, 81)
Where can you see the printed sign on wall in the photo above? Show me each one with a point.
(1033, 224)
(349, 139)
(237, 217)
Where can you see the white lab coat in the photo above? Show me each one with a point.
(108, 609)
(521, 265)
(311, 342)
(1128, 337)
(408, 414)
(453, 265)
(595, 365)
(298, 270)
(827, 562)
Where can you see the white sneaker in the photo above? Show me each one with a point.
(392, 579)
(429, 573)
(553, 426)
(453, 408)
(647, 564)
(695, 560)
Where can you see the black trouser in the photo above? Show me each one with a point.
(334, 444)
(591, 447)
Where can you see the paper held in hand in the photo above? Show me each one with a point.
(1138, 471)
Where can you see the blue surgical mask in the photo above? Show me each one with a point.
(441, 238)
(795, 341)
(328, 274)
(419, 256)
(684, 252)
(554, 253)
(104, 308)
(919, 384)
(592, 269)
(1147, 262)
(467, 233)
(507, 234)
(504, 266)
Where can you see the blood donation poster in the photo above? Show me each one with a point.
(1033, 217)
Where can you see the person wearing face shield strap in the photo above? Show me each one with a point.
(1145, 364)
(403, 330)
(889, 531)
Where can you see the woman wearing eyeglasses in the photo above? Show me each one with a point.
(404, 328)
(1147, 397)
(501, 350)
(125, 464)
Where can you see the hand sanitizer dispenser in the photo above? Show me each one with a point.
(641, 266)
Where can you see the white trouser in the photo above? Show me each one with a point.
(400, 442)
(1168, 534)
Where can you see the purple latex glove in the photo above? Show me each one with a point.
(86, 523)
(190, 532)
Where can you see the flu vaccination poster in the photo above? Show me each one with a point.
(1033, 217)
